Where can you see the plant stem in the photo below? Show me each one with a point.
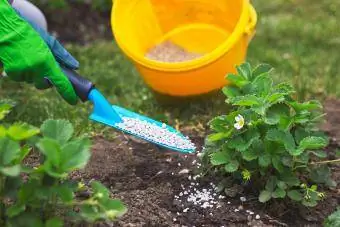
(325, 162)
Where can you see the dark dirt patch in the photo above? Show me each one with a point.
(79, 23)
(332, 125)
(147, 180)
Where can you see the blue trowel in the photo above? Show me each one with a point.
(111, 115)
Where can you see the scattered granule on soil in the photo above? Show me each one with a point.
(169, 52)
(194, 194)
(155, 133)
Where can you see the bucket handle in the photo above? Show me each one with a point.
(250, 28)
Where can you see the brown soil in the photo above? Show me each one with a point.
(79, 23)
(147, 180)
(332, 125)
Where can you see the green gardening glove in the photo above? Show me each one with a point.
(26, 57)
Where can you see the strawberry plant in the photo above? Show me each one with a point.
(43, 195)
(269, 139)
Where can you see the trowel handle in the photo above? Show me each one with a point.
(81, 85)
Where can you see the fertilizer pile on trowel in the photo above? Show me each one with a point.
(128, 121)
(155, 133)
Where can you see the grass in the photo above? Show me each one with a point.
(299, 38)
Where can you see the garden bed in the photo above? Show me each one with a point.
(149, 180)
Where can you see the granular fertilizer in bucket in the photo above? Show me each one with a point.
(169, 52)
(155, 133)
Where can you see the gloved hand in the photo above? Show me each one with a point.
(27, 57)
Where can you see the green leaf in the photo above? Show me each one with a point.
(218, 136)
(9, 150)
(15, 209)
(240, 144)
(295, 195)
(237, 80)
(275, 113)
(65, 193)
(284, 88)
(275, 135)
(231, 92)
(320, 174)
(319, 154)
(297, 152)
(302, 117)
(260, 109)
(75, 154)
(22, 131)
(260, 69)
(4, 110)
(51, 149)
(99, 188)
(219, 124)
(262, 84)
(314, 187)
(54, 222)
(275, 98)
(11, 187)
(2, 131)
(26, 219)
(115, 208)
(310, 105)
(313, 142)
(309, 203)
(286, 123)
(282, 185)
(271, 184)
(265, 196)
(289, 178)
(287, 161)
(277, 163)
(237, 143)
(12, 171)
(60, 130)
(279, 193)
(246, 100)
(272, 118)
(250, 154)
(288, 141)
(282, 137)
(331, 183)
(244, 70)
(265, 159)
(232, 166)
(300, 133)
(25, 150)
(219, 158)
(91, 213)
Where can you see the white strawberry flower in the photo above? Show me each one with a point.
(239, 122)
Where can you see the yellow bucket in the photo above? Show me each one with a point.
(219, 29)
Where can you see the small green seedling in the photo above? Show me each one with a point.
(333, 220)
(43, 195)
